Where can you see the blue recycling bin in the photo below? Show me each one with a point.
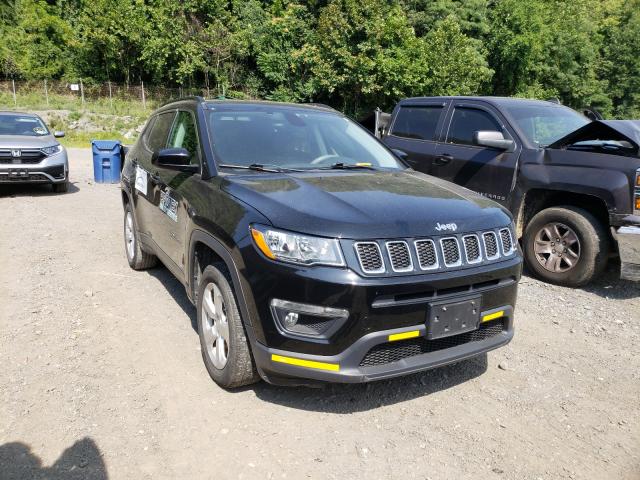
(106, 160)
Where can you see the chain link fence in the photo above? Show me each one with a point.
(45, 94)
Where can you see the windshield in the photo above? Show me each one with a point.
(544, 124)
(27, 125)
(294, 138)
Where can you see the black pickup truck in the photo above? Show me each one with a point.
(572, 184)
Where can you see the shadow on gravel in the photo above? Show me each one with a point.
(176, 290)
(33, 190)
(345, 399)
(82, 460)
(608, 284)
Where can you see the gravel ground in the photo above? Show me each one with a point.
(102, 377)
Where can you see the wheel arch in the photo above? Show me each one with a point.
(538, 199)
(203, 243)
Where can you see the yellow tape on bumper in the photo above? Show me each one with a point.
(493, 316)
(404, 335)
(305, 363)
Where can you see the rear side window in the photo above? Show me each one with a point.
(157, 138)
(466, 121)
(417, 122)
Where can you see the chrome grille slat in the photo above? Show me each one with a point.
(507, 241)
(451, 252)
(399, 256)
(370, 257)
(490, 241)
(427, 255)
(472, 248)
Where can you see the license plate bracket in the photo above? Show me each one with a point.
(453, 317)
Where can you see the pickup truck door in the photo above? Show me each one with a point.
(488, 171)
(172, 208)
(415, 131)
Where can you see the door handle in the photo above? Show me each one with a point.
(443, 159)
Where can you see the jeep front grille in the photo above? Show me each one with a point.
(376, 257)
(400, 257)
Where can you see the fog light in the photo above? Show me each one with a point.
(307, 320)
(290, 320)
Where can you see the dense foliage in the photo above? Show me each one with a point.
(352, 54)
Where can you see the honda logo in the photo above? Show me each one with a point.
(16, 153)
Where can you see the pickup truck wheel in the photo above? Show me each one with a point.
(223, 342)
(138, 259)
(566, 246)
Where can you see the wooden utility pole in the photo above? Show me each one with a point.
(144, 102)
(82, 93)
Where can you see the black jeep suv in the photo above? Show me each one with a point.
(311, 252)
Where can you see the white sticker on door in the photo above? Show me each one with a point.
(169, 205)
(141, 180)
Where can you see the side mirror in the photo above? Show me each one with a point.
(174, 159)
(400, 154)
(489, 138)
(58, 134)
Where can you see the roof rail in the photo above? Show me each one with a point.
(197, 98)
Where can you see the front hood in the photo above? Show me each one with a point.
(605, 130)
(364, 204)
(25, 141)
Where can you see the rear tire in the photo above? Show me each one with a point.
(223, 341)
(137, 258)
(580, 254)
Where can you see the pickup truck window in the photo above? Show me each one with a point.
(294, 138)
(417, 122)
(466, 121)
(543, 125)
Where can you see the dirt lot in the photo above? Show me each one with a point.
(102, 377)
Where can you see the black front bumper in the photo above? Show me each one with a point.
(360, 350)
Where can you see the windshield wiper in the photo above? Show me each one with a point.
(258, 167)
(349, 166)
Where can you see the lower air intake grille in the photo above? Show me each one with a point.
(507, 244)
(369, 257)
(395, 351)
(450, 251)
(399, 256)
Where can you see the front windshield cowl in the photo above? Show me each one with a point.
(290, 139)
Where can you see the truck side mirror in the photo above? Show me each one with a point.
(493, 139)
(174, 159)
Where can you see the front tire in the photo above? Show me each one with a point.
(137, 258)
(565, 245)
(223, 341)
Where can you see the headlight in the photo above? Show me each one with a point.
(52, 149)
(297, 248)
